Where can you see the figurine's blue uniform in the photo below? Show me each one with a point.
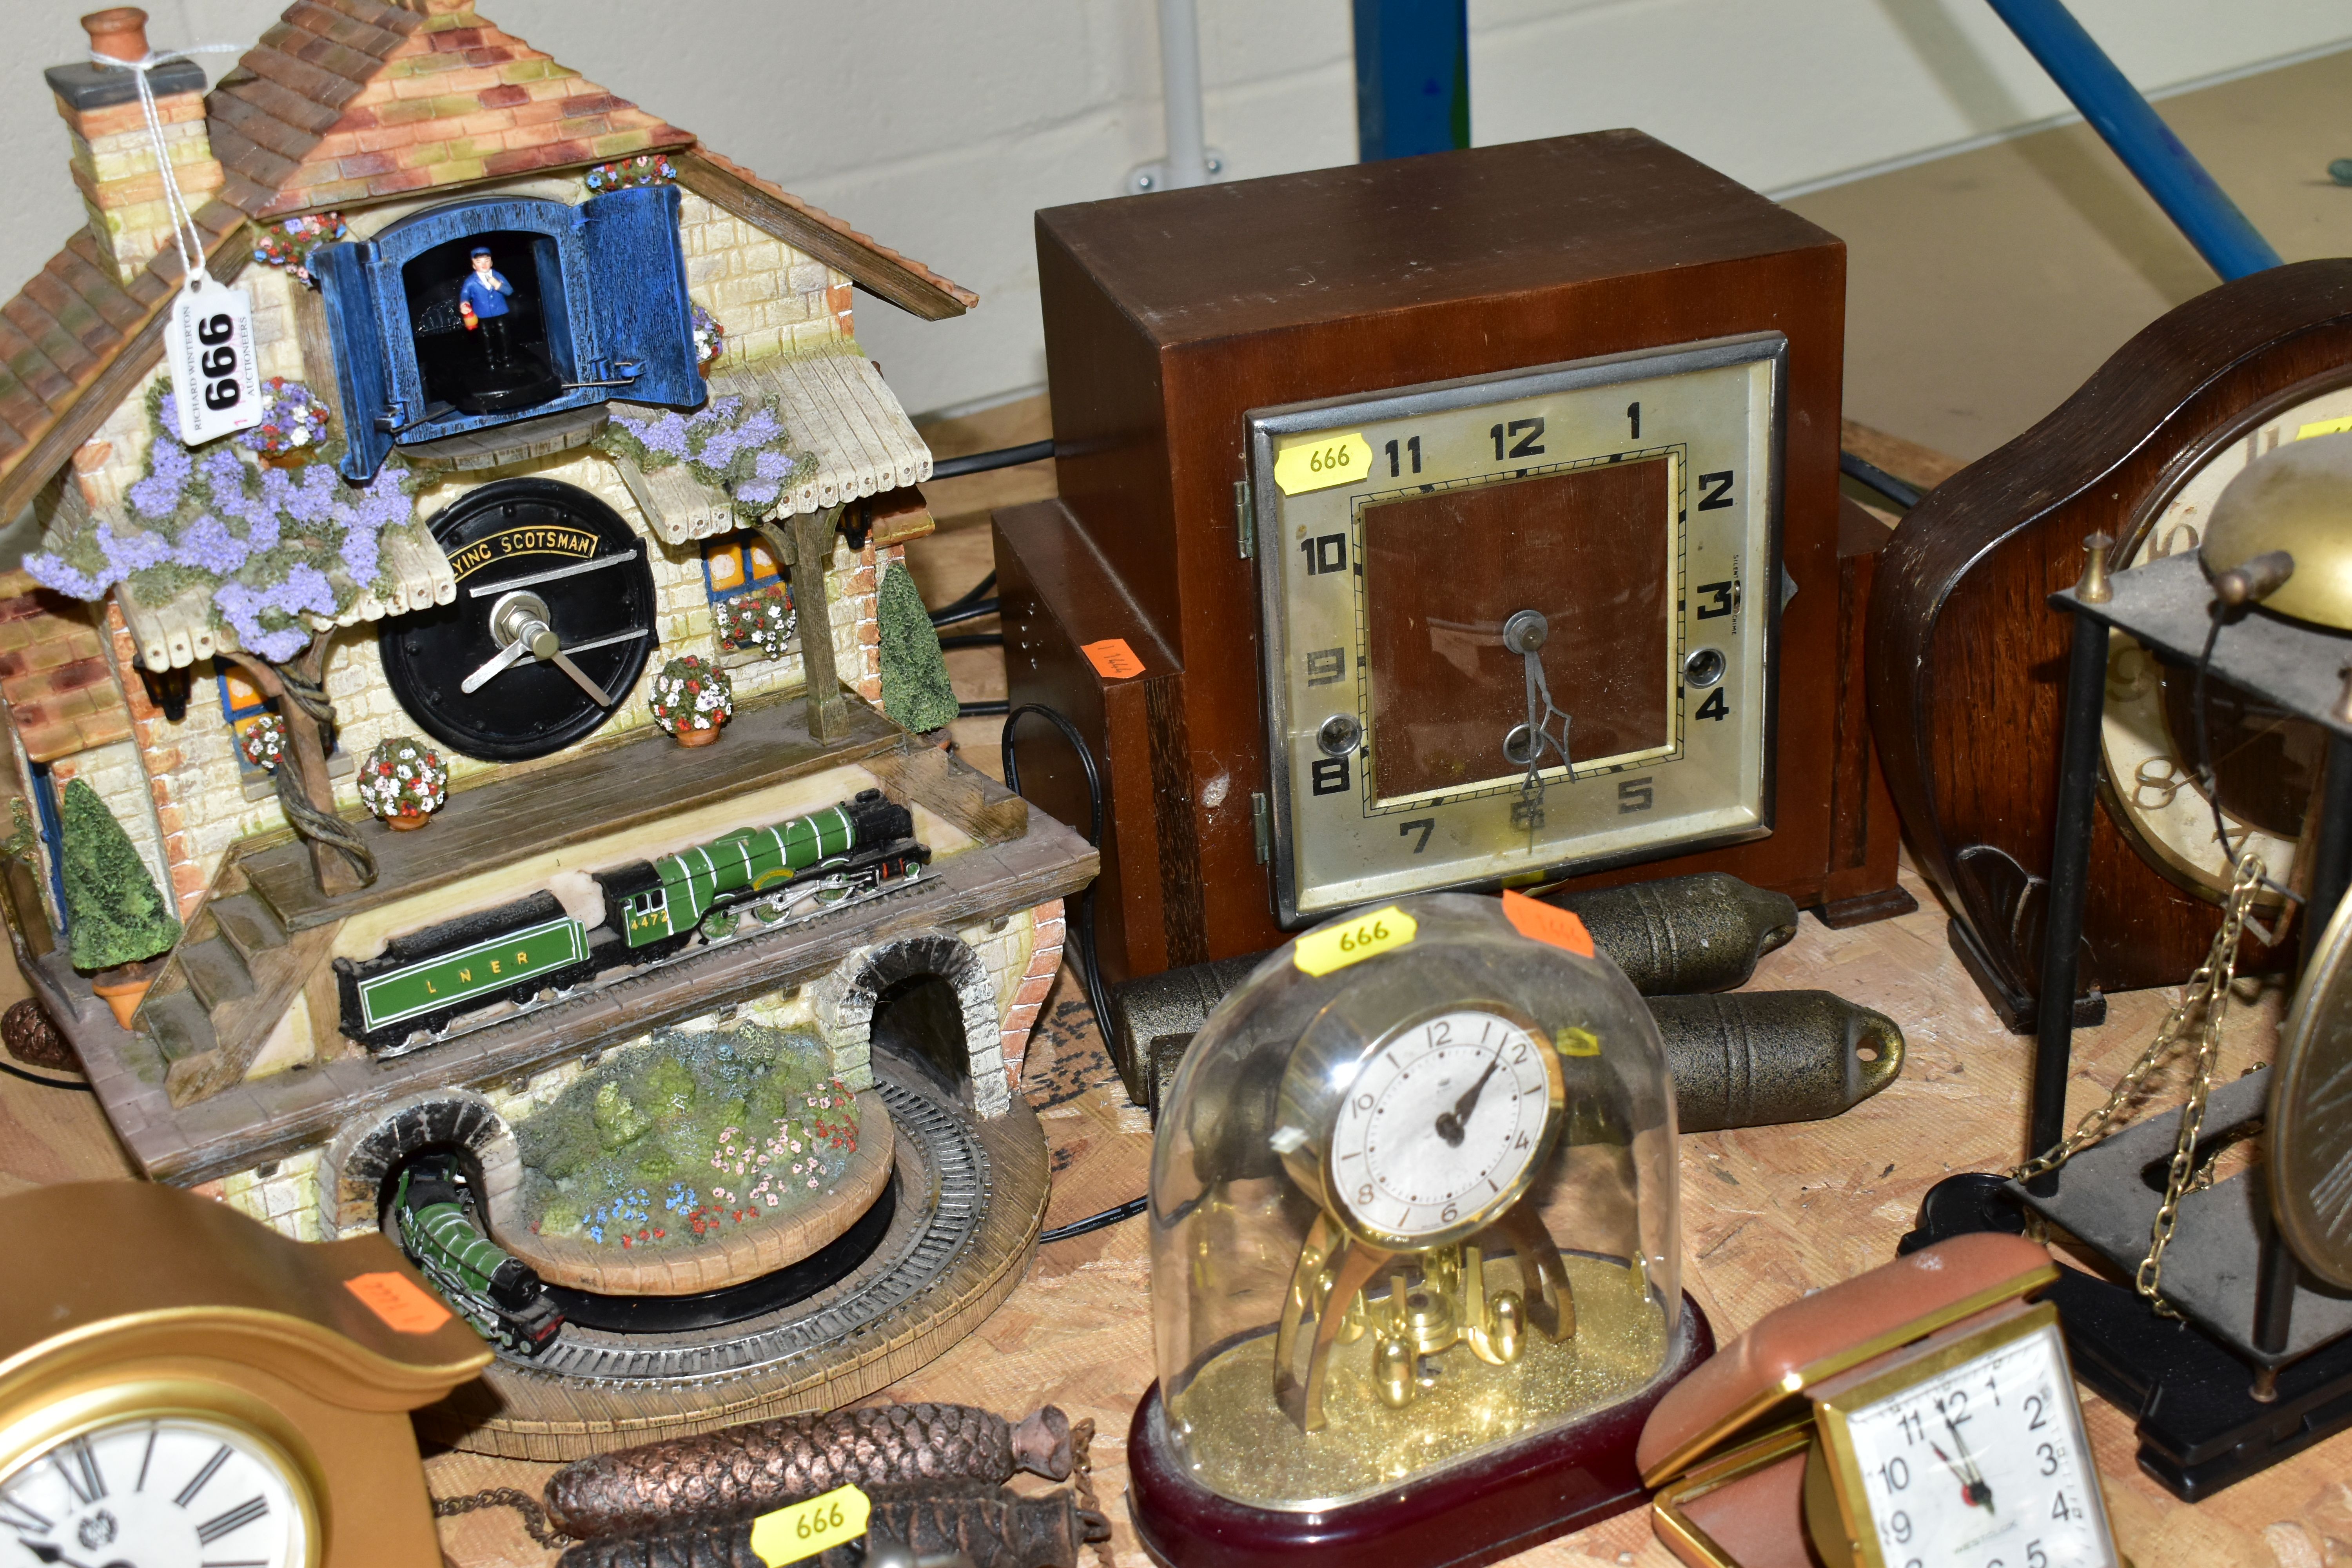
(486, 290)
(489, 300)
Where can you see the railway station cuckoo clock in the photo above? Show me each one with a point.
(1460, 521)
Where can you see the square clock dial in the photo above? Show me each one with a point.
(1520, 626)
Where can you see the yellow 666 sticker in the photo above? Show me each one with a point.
(1367, 936)
(1323, 462)
(806, 1529)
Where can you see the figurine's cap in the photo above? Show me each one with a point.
(481, 250)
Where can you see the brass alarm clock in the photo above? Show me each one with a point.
(182, 1387)
(1414, 1257)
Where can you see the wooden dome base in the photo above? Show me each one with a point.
(972, 1196)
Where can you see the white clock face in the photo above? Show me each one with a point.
(2266, 762)
(1442, 1128)
(1984, 1466)
(175, 1493)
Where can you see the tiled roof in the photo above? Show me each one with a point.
(340, 103)
(901, 279)
(54, 674)
(347, 101)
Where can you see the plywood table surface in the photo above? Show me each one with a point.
(1767, 1216)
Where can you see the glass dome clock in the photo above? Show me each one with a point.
(1416, 1263)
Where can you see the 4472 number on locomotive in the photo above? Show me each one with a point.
(534, 953)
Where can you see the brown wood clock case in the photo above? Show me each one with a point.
(1319, 435)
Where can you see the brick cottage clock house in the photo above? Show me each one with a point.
(555, 396)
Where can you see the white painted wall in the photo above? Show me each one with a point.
(938, 126)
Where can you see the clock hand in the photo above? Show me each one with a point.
(1449, 1124)
(580, 678)
(497, 663)
(1523, 633)
(1972, 1482)
(48, 1554)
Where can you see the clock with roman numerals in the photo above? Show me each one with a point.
(183, 1387)
(1521, 626)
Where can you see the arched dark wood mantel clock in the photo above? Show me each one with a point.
(1967, 662)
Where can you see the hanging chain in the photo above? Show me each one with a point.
(2205, 999)
(534, 1518)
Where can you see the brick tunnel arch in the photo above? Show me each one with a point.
(948, 995)
(366, 1152)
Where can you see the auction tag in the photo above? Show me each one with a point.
(404, 1306)
(1319, 464)
(216, 379)
(1319, 953)
(806, 1529)
(2324, 427)
(1112, 658)
(1541, 921)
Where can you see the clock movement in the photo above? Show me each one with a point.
(1463, 521)
(1415, 1266)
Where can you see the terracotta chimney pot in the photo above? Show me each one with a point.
(119, 31)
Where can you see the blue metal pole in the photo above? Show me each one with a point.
(1413, 76)
(2204, 214)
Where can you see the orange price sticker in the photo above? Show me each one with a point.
(403, 1304)
(1540, 922)
(1113, 659)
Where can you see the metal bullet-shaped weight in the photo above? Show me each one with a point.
(1676, 937)
(1771, 1056)
(1757, 1060)
(1684, 935)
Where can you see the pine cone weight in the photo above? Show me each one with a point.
(718, 1477)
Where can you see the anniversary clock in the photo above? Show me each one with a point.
(1521, 625)
(1466, 521)
(551, 626)
(1414, 1266)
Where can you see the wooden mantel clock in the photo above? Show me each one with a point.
(1463, 521)
(1967, 660)
(183, 1387)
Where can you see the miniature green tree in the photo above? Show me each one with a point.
(116, 914)
(915, 689)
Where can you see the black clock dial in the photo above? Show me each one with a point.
(551, 626)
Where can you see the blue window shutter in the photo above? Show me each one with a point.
(636, 271)
(355, 328)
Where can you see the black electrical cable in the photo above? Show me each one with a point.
(1127, 1210)
(955, 611)
(1870, 477)
(1081, 933)
(15, 1071)
(964, 609)
(982, 462)
(983, 709)
(973, 639)
(1082, 948)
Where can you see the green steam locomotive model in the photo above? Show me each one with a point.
(533, 951)
(496, 1292)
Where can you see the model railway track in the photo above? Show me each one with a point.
(933, 1228)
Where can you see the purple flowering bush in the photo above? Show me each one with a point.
(272, 546)
(734, 445)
